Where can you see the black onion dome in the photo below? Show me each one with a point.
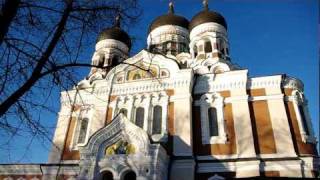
(115, 33)
(169, 19)
(207, 16)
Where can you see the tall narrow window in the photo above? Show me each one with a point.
(83, 130)
(195, 50)
(101, 61)
(213, 123)
(221, 46)
(304, 120)
(157, 120)
(227, 51)
(207, 47)
(139, 117)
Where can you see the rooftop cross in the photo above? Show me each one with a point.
(117, 21)
(171, 10)
(205, 5)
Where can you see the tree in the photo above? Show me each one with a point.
(41, 43)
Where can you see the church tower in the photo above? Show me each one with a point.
(112, 47)
(168, 34)
(209, 41)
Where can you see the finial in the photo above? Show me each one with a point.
(117, 21)
(205, 5)
(171, 10)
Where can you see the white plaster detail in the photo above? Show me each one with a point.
(216, 101)
(167, 33)
(112, 43)
(207, 27)
(298, 99)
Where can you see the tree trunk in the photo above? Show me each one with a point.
(8, 11)
(36, 74)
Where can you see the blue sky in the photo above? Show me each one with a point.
(267, 37)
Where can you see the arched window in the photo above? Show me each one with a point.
(213, 122)
(303, 119)
(101, 61)
(115, 60)
(195, 50)
(157, 120)
(136, 76)
(139, 117)
(221, 46)
(207, 47)
(130, 176)
(124, 111)
(107, 175)
(83, 126)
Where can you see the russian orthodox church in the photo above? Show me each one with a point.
(180, 110)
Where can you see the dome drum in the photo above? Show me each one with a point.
(168, 33)
(115, 33)
(112, 44)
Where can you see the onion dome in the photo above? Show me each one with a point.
(206, 16)
(169, 19)
(115, 33)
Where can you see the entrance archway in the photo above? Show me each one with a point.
(130, 175)
(107, 175)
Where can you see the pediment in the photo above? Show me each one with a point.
(143, 66)
(119, 137)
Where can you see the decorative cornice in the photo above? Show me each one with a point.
(292, 83)
(207, 27)
(111, 43)
(154, 36)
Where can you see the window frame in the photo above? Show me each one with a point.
(144, 116)
(153, 120)
(86, 111)
(159, 99)
(207, 101)
(299, 100)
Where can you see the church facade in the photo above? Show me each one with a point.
(180, 109)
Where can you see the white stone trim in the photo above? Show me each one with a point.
(112, 43)
(159, 99)
(207, 27)
(264, 82)
(233, 166)
(293, 83)
(297, 99)
(166, 33)
(216, 101)
(287, 168)
(38, 169)
(86, 111)
(215, 157)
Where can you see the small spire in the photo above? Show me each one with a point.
(205, 5)
(117, 21)
(171, 10)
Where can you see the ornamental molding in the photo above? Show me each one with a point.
(233, 80)
(293, 83)
(142, 87)
(229, 166)
(76, 97)
(102, 152)
(119, 127)
(167, 30)
(111, 43)
(38, 169)
(207, 27)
